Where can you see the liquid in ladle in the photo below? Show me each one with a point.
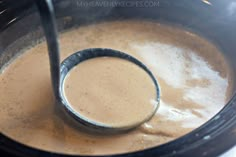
(117, 92)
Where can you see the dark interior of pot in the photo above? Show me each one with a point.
(177, 29)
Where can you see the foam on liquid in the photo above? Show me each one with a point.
(194, 78)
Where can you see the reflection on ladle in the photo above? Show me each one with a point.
(59, 72)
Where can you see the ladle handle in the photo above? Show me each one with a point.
(46, 11)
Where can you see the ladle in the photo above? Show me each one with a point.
(59, 72)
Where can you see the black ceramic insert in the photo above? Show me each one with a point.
(214, 21)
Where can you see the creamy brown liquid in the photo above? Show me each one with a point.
(193, 75)
(111, 87)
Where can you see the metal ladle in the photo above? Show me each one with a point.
(59, 72)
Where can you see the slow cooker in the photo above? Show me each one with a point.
(215, 20)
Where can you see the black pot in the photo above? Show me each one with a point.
(214, 20)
